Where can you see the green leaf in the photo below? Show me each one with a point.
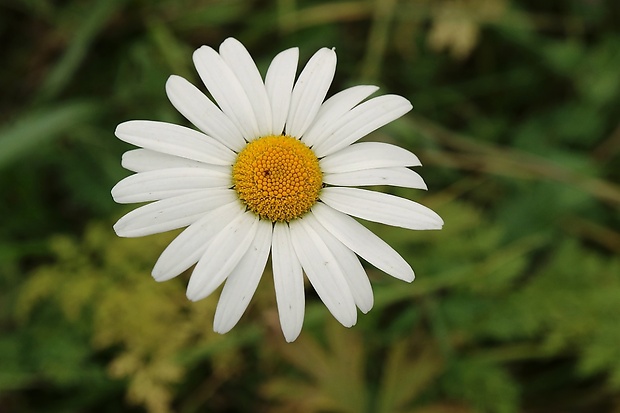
(39, 127)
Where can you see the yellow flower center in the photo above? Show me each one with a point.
(277, 177)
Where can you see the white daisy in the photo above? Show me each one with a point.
(273, 169)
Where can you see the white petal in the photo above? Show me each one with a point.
(166, 183)
(367, 155)
(402, 177)
(175, 140)
(202, 112)
(191, 244)
(324, 272)
(335, 107)
(279, 84)
(172, 213)
(222, 255)
(363, 242)
(144, 160)
(241, 63)
(349, 263)
(226, 90)
(243, 280)
(360, 121)
(288, 281)
(310, 90)
(379, 207)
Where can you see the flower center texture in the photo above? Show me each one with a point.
(277, 177)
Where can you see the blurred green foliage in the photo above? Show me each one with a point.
(517, 301)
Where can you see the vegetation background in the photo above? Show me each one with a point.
(516, 307)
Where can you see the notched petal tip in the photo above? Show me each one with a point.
(331, 57)
(328, 50)
(400, 102)
(157, 276)
(440, 223)
(437, 221)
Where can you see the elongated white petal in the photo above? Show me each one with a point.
(202, 112)
(367, 155)
(243, 280)
(402, 177)
(349, 263)
(288, 281)
(379, 207)
(335, 107)
(360, 121)
(226, 90)
(175, 140)
(191, 244)
(172, 213)
(279, 84)
(242, 65)
(324, 272)
(222, 255)
(166, 183)
(309, 91)
(144, 160)
(363, 242)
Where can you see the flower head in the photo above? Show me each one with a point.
(273, 169)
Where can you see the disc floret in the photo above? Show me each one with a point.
(277, 177)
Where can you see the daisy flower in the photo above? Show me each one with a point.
(273, 169)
